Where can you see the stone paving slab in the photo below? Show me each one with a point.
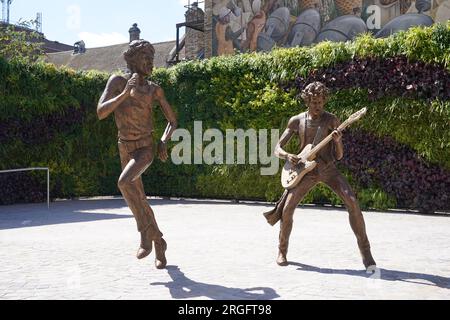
(216, 250)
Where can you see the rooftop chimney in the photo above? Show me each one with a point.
(135, 33)
(79, 47)
(194, 38)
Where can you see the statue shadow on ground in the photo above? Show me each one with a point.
(383, 274)
(181, 287)
(25, 216)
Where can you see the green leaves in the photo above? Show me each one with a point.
(20, 45)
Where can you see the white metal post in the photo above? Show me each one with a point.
(48, 188)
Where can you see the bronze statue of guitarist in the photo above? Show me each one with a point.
(311, 127)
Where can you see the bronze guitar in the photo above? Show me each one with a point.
(293, 174)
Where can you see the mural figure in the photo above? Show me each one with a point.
(256, 24)
(342, 28)
(277, 26)
(290, 23)
(227, 40)
(404, 22)
(346, 7)
(440, 10)
(305, 29)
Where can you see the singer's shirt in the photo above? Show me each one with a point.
(134, 117)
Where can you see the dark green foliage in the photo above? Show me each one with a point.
(23, 187)
(397, 170)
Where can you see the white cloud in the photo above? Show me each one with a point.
(73, 21)
(94, 40)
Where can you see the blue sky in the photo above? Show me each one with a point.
(102, 22)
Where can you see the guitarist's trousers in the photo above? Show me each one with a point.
(136, 157)
(337, 182)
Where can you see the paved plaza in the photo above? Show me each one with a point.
(85, 249)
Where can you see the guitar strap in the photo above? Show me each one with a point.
(302, 128)
(318, 136)
(305, 131)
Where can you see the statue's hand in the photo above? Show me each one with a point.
(162, 151)
(293, 159)
(337, 136)
(131, 84)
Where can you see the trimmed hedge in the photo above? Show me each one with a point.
(48, 118)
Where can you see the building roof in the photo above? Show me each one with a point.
(48, 46)
(55, 46)
(108, 59)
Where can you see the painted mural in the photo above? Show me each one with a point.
(260, 25)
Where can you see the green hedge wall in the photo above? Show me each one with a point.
(48, 118)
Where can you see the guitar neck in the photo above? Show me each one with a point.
(325, 141)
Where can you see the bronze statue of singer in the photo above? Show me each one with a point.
(131, 98)
(311, 127)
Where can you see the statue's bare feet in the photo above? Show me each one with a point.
(371, 269)
(369, 262)
(146, 245)
(281, 260)
(160, 253)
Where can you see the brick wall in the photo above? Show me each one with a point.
(208, 28)
(195, 40)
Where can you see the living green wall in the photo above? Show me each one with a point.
(48, 118)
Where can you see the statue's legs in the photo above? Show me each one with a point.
(294, 196)
(337, 182)
(134, 163)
